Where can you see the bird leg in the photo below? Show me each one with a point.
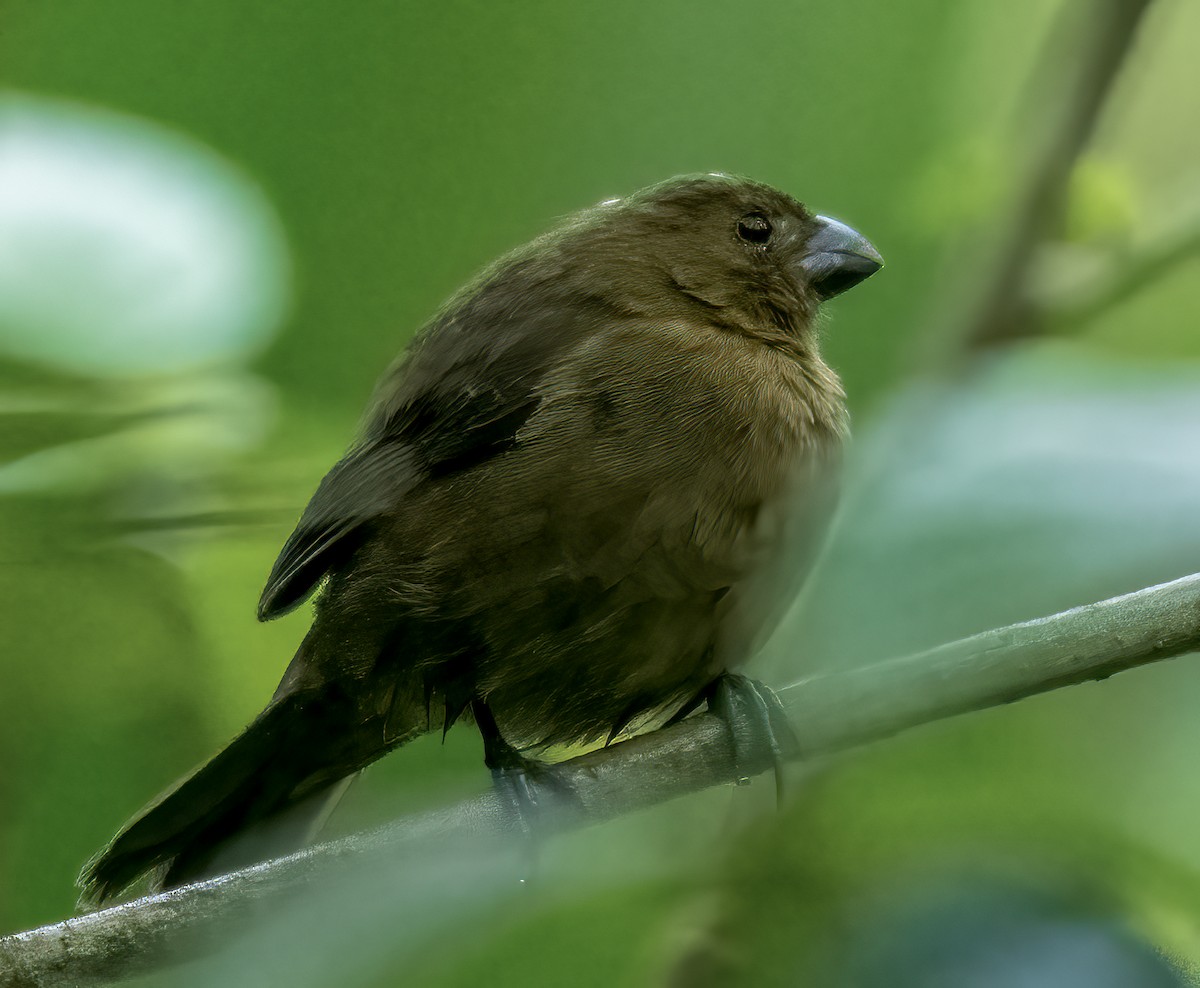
(757, 723)
(521, 783)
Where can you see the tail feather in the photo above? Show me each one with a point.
(278, 761)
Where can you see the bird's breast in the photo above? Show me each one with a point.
(682, 439)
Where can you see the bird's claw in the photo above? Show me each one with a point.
(520, 789)
(529, 793)
(758, 725)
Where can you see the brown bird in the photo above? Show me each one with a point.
(576, 500)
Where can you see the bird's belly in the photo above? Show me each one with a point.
(607, 660)
(587, 642)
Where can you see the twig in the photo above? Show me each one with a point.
(831, 712)
(1122, 277)
(1088, 46)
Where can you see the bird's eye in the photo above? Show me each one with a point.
(754, 228)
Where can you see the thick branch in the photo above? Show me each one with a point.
(831, 712)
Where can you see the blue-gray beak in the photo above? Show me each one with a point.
(837, 258)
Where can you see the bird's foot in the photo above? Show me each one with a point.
(529, 790)
(531, 795)
(761, 732)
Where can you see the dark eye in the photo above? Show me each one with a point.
(754, 228)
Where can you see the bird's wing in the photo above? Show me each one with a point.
(356, 490)
(458, 401)
(375, 477)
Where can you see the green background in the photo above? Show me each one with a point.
(404, 145)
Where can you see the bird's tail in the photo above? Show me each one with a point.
(276, 774)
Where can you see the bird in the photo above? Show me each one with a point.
(589, 483)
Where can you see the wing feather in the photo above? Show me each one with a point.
(459, 399)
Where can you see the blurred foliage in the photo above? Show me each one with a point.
(364, 159)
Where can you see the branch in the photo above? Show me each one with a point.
(1122, 277)
(830, 712)
(1090, 44)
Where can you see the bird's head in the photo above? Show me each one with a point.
(741, 252)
